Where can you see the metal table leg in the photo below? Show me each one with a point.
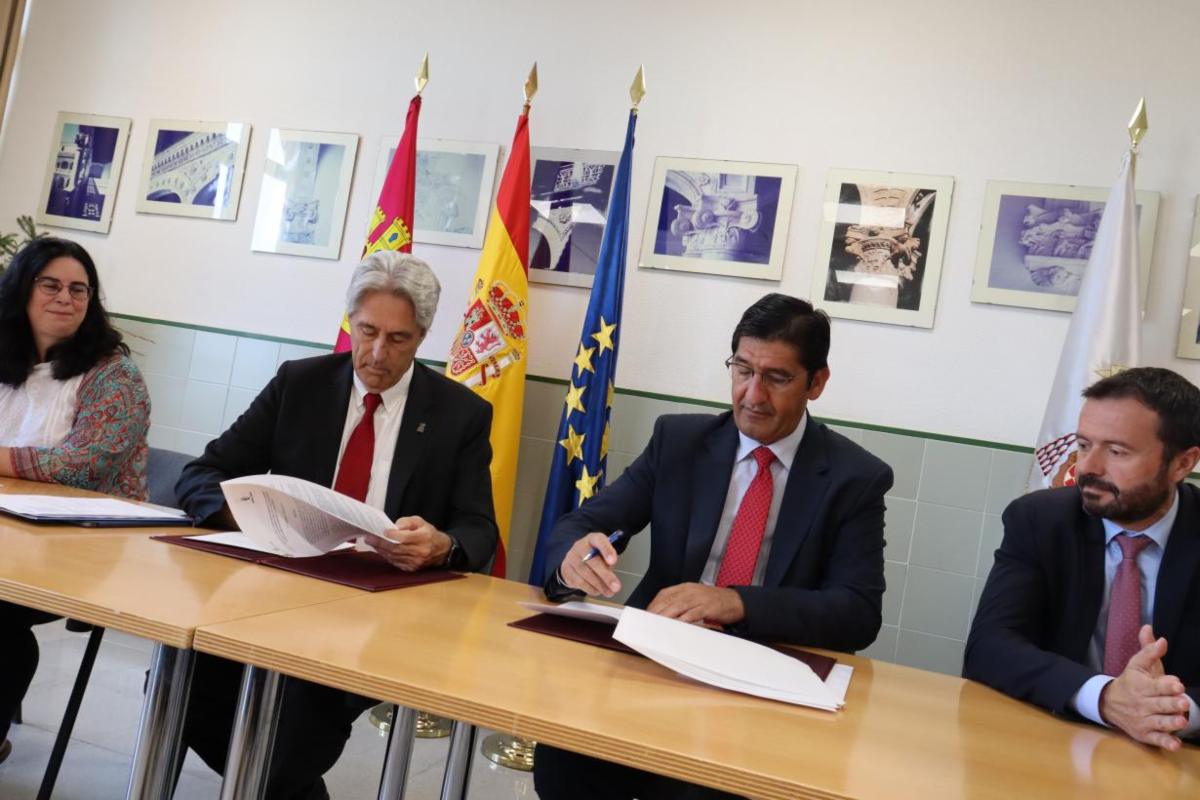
(399, 754)
(458, 762)
(152, 775)
(249, 758)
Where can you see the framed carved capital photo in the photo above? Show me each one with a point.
(455, 181)
(1035, 241)
(879, 253)
(719, 217)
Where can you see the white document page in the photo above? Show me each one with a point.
(722, 660)
(239, 539)
(579, 610)
(294, 517)
(83, 507)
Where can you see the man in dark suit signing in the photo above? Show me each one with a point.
(377, 426)
(1093, 604)
(763, 521)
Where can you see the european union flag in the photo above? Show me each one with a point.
(578, 469)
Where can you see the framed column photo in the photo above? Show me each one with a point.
(305, 188)
(1036, 238)
(879, 252)
(1189, 317)
(719, 217)
(87, 152)
(193, 169)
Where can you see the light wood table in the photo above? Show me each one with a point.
(119, 578)
(446, 648)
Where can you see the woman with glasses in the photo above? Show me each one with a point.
(73, 410)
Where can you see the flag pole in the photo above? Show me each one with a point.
(1138, 126)
(516, 752)
(422, 76)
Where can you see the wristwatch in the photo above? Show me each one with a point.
(454, 555)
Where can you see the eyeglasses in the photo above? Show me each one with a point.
(52, 286)
(742, 372)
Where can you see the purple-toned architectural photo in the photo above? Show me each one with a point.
(719, 216)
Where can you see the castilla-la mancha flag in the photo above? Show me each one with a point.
(1104, 337)
(391, 221)
(488, 352)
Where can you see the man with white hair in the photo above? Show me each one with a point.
(378, 426)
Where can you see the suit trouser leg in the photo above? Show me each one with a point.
(20, 659)
(314, 725)
(563, 775)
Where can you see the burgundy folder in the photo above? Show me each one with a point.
(361, 570)
(600, 634)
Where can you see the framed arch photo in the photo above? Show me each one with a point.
(719, 217)
(193, 169)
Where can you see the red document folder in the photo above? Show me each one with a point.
(600, 635)
(361, 570)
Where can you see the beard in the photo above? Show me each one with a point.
(1132, 504)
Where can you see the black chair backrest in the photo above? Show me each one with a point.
(162, 472)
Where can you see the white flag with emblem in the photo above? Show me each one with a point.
(1105, 334)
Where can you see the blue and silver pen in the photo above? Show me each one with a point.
(612, 539)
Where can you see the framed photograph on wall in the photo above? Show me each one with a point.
(455, 181)
(719, 217)
(193, 169)
(1189, 317)
(568, 197)
(86, 155)
(1035, 240)
(305, 188)
(879, 253)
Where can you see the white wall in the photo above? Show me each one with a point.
(1036, 91)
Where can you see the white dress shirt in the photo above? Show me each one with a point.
(744, 470)
(1087, 700)
(387, 428)
(41, 411)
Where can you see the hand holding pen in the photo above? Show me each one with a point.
(613, 538)
(583, 571)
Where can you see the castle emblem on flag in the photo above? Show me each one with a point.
(492, 331)
(393, 237)
(1057, 458)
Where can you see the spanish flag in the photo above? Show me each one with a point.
(488, 352)
(391, 222)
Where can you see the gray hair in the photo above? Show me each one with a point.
(400, 274)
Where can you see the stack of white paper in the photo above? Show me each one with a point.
(713, 657)
(37, 506)
(293, 517)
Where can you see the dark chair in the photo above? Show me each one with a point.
(162, 471)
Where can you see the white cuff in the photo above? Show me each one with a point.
(1086, 701)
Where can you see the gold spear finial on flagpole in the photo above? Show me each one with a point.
(422, 77)
(638, 90)
(531, 85)
(1138, 125)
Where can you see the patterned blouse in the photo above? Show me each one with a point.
(106, 449)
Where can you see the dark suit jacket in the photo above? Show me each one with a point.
(823, 585)
(294, 427)
(1039, 607)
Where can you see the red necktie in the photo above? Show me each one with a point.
(745, 538)
(354, 473)
(1124, 607)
